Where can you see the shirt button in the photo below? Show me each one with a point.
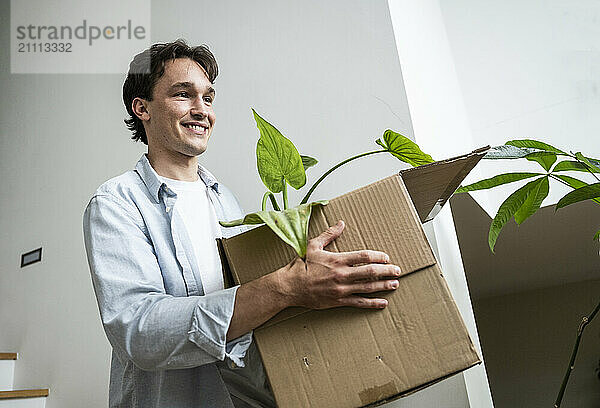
(168, 209)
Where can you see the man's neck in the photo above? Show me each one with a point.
(174, 165)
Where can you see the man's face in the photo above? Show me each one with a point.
(181, 116)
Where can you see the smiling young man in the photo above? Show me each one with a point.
(180, 338)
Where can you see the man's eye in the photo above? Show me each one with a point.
(208, 99)
(182, 94)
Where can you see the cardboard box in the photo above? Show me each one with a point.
(348, 357)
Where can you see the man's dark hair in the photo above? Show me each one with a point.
(147, 68)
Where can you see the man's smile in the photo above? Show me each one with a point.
(196, 127)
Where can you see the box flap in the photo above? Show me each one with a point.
(431, 185)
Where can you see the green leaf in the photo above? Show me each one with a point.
(535, 196)
(588, 192)
(497, 181)
(575, 183)
(569, 165)
(595, 162)
(290, 225)
(530, 143)
(507, 209)
(597, 236)
(277, 159)
(593, 167)
(508, 152)
(545, 159)
(404, 149)
(308, 161)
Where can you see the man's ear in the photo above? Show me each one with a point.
(139, 107)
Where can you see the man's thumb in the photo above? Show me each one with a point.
(330, 234)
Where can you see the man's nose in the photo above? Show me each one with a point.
(199, 108)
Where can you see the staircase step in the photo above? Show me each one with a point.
(7, 370)
(24, 393)
(32, 402)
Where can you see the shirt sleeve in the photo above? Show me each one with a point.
(150, 327)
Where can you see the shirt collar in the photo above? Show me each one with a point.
(208, 178)
(152, 182)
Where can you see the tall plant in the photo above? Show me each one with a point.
(526, 200)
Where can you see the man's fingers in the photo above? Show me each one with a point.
(370, 287)
(363, 302)
(328, 235)
(364, 257)
(373, 272)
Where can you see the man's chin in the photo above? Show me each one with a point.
(190, 151)
(197, 151)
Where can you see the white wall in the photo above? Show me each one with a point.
(527, 69)
(325, 73)
(528, 338)
(441, 127)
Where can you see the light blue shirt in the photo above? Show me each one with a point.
(168, 338)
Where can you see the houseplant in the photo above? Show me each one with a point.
(279, 165)
(526, 200)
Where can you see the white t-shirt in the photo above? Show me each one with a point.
(198, 214)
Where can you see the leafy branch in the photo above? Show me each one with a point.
(314, 186)
(525, 201)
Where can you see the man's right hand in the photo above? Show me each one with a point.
(329, 279)
(324, 280)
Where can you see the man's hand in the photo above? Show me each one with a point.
(325, 280)
(329, 279)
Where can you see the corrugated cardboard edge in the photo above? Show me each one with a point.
(228, 280)
(470, 160)
(416, 389)
(477, 152)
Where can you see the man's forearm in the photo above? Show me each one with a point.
(255, 303)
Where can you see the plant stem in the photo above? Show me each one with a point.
(584, 322)
(314, 186)
(271, 196)
(285, 196)
(274, 202)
